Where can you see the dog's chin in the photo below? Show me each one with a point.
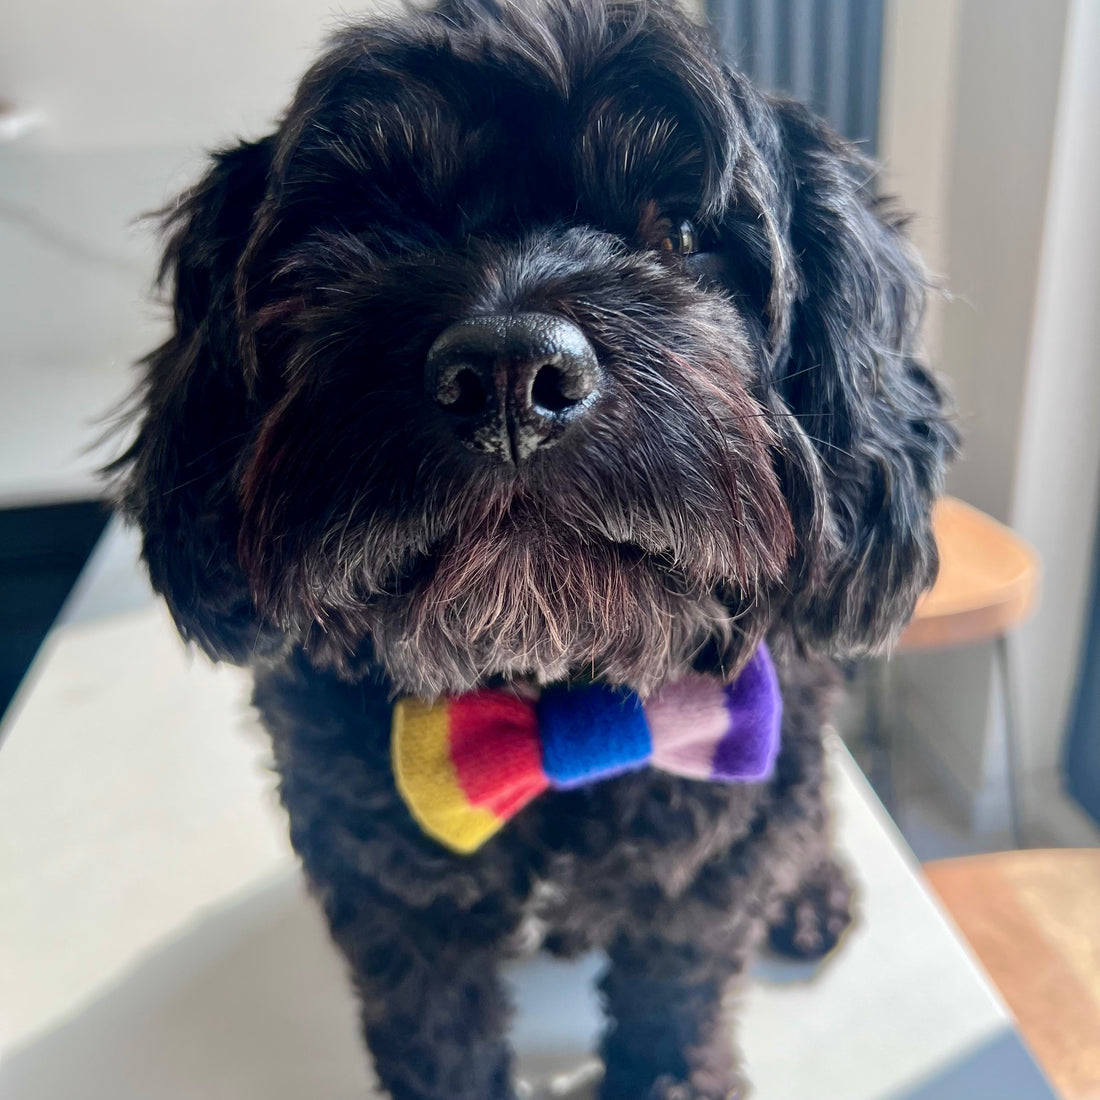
(540, 606)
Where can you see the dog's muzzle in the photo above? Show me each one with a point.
(512, 384)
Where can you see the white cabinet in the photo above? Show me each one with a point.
(128, 96)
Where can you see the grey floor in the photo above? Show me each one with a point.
(998, 1068)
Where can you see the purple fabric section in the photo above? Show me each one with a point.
(755, 708)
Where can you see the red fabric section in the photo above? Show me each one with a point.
(495, 751)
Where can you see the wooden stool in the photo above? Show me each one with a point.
(1033, 919)
(988, 583)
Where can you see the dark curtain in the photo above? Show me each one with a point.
(827, 53)
(1083, 747)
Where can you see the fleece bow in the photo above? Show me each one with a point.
(466, 764)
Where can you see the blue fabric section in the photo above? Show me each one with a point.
(591, 732)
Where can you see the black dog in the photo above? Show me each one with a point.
(712, 429)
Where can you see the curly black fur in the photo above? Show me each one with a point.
(761, 463)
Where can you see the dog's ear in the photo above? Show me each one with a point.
(866, 425)
(177, 479)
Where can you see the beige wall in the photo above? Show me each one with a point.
(129, 95)
(1058, 466)
(918, 97)
(118, 73)
(990, 128)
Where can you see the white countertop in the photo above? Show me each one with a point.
(156, 942)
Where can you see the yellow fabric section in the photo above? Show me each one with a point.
(421, 752)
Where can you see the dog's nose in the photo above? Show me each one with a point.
(512, 384)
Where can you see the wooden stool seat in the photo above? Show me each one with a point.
(1033, 919)
(988, 581)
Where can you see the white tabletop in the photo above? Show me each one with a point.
(156, 942)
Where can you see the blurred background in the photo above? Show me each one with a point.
(981, 734)
(986, 116)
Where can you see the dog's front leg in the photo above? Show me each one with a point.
(812, 920)
(668, 1036)
(434, 1010)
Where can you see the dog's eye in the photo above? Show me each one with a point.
(681, 239)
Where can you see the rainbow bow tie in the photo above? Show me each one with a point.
(466, 764)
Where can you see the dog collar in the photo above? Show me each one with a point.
(466, 764)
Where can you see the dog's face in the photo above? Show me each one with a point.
(534, 343)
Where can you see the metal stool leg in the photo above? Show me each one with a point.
(878, 739)
(1012, 745)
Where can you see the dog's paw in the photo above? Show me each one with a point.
(702, 1084)
(671, 1088)
(812, 922)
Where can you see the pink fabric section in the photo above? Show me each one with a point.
(687, 720)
